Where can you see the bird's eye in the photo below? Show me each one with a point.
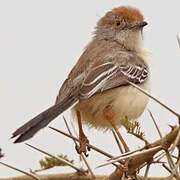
(118, 23)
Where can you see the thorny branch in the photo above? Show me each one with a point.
(134, 161)
(144, 156)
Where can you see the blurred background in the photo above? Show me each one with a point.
(41, 40)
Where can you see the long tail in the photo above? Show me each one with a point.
(29, 129)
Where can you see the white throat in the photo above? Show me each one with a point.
(131, 40)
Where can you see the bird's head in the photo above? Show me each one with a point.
(123, 24)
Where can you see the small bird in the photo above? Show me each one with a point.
(97, 88)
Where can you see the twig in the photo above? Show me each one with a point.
(155, 99)
(50, 155)
(177, 165)
(178, 40)
(172, 165)
(153, 162)
(82, 155)
(91, 146)
(1, 154)
(167, 168)
(147, 171)
(160, 156)
(165, 142)
(174, 156)
(169, 158)
(176, 142)
(170, 171)
(76, 176)
(126, 154)
(154, 121)
(117, 141)
(144, 156)
(157, 148)
(21, 171)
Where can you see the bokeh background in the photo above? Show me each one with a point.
(41, 40)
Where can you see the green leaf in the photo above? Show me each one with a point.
(50, 162)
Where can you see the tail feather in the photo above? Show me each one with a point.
(29, 129)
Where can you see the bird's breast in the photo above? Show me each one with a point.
(113, 105)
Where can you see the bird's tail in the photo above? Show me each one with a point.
(29, 129)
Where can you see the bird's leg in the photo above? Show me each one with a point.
(109, 115)
(83, 141)
(126, 148)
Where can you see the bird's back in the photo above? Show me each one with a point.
(86, 61)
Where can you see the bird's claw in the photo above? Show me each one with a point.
(83, 146)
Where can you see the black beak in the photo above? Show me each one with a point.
(139, 25)
(142, 24)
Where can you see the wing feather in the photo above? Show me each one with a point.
(114, 73)
(97, 78)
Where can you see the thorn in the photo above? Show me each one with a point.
(153, 149)
(50, 155)
(21, 171)
(147, 170)
(178, 40)
(154, 121)
(1, 154)
(117, 141)
(155, 99)
(172, 127)
(76, 139)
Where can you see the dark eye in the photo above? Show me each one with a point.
(118, 23)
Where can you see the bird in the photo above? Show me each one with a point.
(97, 88)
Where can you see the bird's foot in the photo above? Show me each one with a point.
(83, 145)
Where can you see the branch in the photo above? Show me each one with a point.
(137, 159)
(76, 176)
(134, 162)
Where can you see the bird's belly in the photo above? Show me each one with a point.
(123, 101)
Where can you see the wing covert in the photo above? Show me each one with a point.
(114, 72)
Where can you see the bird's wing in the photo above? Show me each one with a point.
(113, 72)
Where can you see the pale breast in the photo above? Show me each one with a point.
(124, 101)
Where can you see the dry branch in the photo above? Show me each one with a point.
(75, 176)
(135, 160)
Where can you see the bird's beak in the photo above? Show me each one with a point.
(139, 25)
(142, 24)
